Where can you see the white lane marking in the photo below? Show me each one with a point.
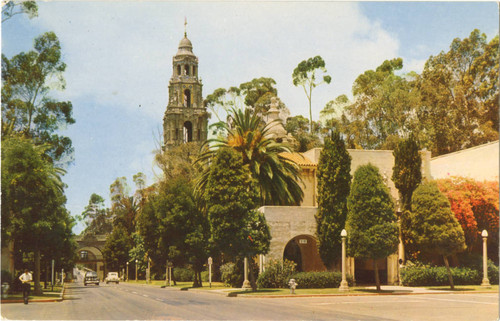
(145, 295)
(134, 292)
(158, 299)
(464, 301)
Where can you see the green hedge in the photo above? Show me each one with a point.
(319, 280)
(426, 275)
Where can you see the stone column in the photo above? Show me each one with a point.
(343, 284)
(486, 281)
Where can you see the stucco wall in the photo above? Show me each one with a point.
(382, 159)
(480, 163)
(286, 222)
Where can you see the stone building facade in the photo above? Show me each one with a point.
(186, 118)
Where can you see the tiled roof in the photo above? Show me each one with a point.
(299, 159)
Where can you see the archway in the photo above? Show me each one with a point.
(188, 132)
(91, 258)
(303, 250)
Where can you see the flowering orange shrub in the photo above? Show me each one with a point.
(476, 205)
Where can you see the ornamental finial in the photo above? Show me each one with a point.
(185, 27)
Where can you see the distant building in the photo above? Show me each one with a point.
(90, 253)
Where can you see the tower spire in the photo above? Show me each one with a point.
(185, 27)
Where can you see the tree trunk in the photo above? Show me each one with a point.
(377, 279)
(199, 278)
(450, 277)
(196, 284)
(38, 288)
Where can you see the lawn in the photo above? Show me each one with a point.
(47, 294)
(459, 288)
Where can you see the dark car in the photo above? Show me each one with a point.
(91, 278)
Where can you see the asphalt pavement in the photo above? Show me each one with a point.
(140, 302)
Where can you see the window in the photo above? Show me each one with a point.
(84, 255)
(187, 98)
(178, 70)
(186, 69)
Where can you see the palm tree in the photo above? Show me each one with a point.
(277, 177)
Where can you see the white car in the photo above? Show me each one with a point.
(112, 277)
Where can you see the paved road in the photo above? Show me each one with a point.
(125, 302)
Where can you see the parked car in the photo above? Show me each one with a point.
(112, 277)
(90, 278)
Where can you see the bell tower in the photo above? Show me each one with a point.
(186, 119)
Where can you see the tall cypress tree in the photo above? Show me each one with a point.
(334, 180)
(371, 223)
(407, 172)
(230, 196)
(433, 226)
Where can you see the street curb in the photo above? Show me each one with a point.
(61, 298)
(348, 294)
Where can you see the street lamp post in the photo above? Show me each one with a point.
(126, 278)
(343, 284)
(486, 281)
(136, 270)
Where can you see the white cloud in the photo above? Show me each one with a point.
(120, 53)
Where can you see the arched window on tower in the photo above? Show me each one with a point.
(178, 70)
(186, 69)
(194, 71)
(187, 98)
(188, 132)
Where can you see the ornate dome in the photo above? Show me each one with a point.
(185, 47)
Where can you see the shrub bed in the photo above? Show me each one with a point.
(276, 275)
(438, 275)
(183, 275)
(319, 280)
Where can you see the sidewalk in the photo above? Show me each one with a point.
(60, 298)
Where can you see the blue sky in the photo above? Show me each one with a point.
(119, 57)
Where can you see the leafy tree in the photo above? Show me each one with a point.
(124, 208)
(27, 108)
(182, 229)
(258, 93)
(306, 140)
(305, 76)
(12, 8)
(459, 95)
(276, 176)
(97, 217)
(117, 247)
(433, 227)
(382, 111)
(407, 170)
(32, 200)
(475, 205)
(334, 180)
(331, 115)
(371, 224)
(138, 252)
(236, 229)
(230, 195)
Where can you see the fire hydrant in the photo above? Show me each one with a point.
(292, 285)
